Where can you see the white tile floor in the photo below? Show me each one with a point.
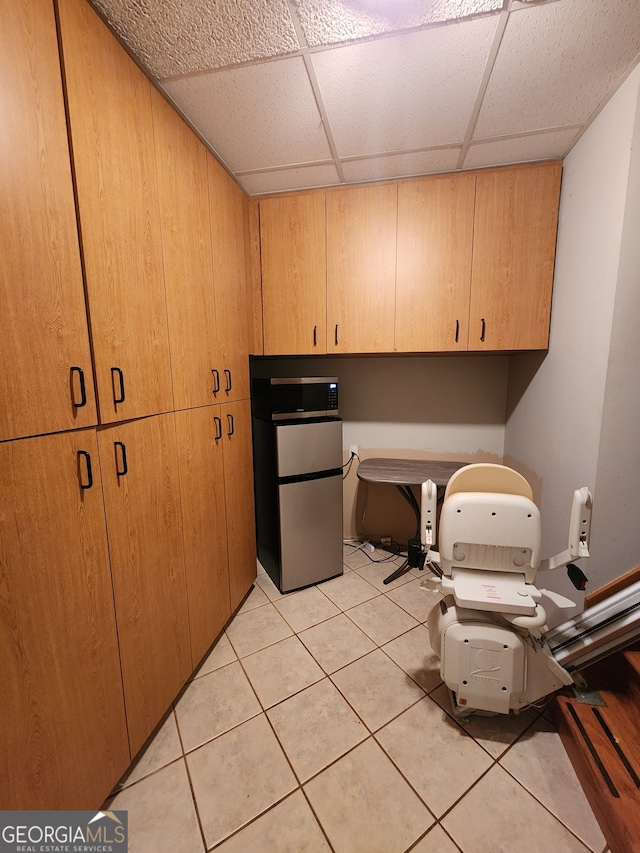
(319, 723)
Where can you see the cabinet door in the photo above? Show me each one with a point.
(109, 102)
(294, 274)
(229, 245)
(361, 268)
(435, 239)
(44, 348)
(63, 739)
(239, 500)
(142, 497)
(516, 217)
(204, 522)
(186, 247)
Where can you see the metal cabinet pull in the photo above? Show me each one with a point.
(315, 336)
(83, 454)
(216, 380)
(483, 330)
(121, 470)
(336, 335)
(228, 385)
(218, 424)
(457, 329)
(83, 391)
(232, 426)
(120, 395)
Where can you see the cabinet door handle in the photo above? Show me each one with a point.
(123, 469)
(483, 329)
(335, 335)
(120, 395)
(457, 329)
(83, 454)
(218, 424)
(315, 336)
(83, 391)
(216, 380)
(232, 426)
(228, 385)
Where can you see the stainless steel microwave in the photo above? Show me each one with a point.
(279, 399)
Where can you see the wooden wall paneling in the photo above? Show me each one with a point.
(361, 268)
(433, 277)
(252, 213)
(204, 523)
(63, 737)
(294, 274)
(111, 126)
(142, 498)
(41, 289)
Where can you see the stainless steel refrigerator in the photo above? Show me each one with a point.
(298, 480)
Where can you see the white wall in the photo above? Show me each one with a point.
(564, 413)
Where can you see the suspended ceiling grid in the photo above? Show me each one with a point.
(293, 94)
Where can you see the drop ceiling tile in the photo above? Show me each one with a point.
(410, 91)
(255, 116)
(541, 146)
(557, 63)
(306, 177)
(332, 21)
(401, 165)
(171, 37)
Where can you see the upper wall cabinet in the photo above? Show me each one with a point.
(229, 217)
(294, 274)
(46, 380)
(435, 240)
(111, 125)
(361, 268)
(514, 245)
(186, 245)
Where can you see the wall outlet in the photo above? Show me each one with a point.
(353, 449)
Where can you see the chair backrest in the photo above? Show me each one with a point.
(489, 521)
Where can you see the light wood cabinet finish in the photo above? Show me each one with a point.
(238, 487)
(516, 216)
(204, 522)
(142, 499)
(109, 102)
(361, 268)
(63, 738)
(44, 318)
(186, 246)
(433, 280)
(229, 237)
(294, 274)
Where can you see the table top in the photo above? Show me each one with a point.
(407, 472)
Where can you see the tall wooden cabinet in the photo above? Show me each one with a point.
(63, 737)
(514, 245)
(229, 233)
(361, 268)
(186, 246)
(294, 274)
(140, 480)
(433, 277)
(111, 127)
(46, 381)
(199, 435)
(124, 525)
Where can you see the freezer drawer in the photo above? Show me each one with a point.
(307, 447)
(310, 531)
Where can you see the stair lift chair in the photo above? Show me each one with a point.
(488, 630)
